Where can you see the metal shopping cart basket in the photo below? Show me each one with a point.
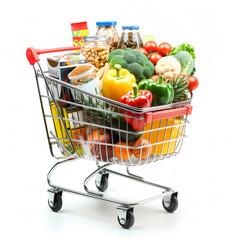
(86, 125)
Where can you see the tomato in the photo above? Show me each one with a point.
(183, 76)
(193, 83)
(142, 50)
(151, 46)
(155, 57)
(164, 48)
(155, 77)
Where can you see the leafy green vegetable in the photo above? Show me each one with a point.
(183, 47)
(108, 118)
(187, 62)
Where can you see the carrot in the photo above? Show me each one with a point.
(122, 152)
(142, 152)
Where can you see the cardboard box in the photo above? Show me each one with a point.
(59, 67)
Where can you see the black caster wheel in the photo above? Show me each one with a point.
(172, 206)
(130, 219)
(57, 205)
(102, 182)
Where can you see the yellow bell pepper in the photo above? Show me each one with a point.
(159, 137)
(117, 82)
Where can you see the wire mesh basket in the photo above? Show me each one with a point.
(88, 125)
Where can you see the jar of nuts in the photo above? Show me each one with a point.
(130, 38)
(96, 50)
(109, 29)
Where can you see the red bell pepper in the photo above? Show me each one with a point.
(139, 99)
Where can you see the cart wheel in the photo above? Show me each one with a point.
(130, 219)
(57, 205)
(172, 207)
(102, 182)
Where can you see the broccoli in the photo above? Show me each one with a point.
(138, 53)
(136, 69)
(118, 60)
(128, 50)
(147, 72)
(129, 58)
(140, 60)
(133, 60)
(151, 66)
(114, 53)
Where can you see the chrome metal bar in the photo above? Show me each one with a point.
(100, 196)
(92, 175)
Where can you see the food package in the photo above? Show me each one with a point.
(78, 31)
(163, 134)
(59, 67)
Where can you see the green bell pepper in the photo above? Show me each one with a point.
(163, 93)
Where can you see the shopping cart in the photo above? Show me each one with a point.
(85, 125)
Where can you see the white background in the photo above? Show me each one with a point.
(206, 172)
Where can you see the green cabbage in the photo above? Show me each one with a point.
(187, 62)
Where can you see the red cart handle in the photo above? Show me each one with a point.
(175, 112)
(32, 53)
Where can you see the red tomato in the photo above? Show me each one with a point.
(164, 48)
(155, 77)
(184, 77)
(142, 50)
(151, 46)
(155, 57)
(193, 83)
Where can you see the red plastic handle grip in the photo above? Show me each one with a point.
(32, 53)
(175, 112)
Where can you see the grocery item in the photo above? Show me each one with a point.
(154, 58)
(163, 93)
(101, 74)
(130, 38)
(76, 130)
(155, 77)
(192, 83)
(84, 76)
(142, 50)
(180, 86)
(139, 99)
(78, 31)
(169, 67)
(59, 67)
(150, 46)
(143, 152)
(117, 82)
(109, 29)
(121, 151)
(133, 60)
(164, 48)
(111, 120)
(183, 47)
(147, 38)
(101, 151)
(167, 134)
(187, 62)
(96, 50)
